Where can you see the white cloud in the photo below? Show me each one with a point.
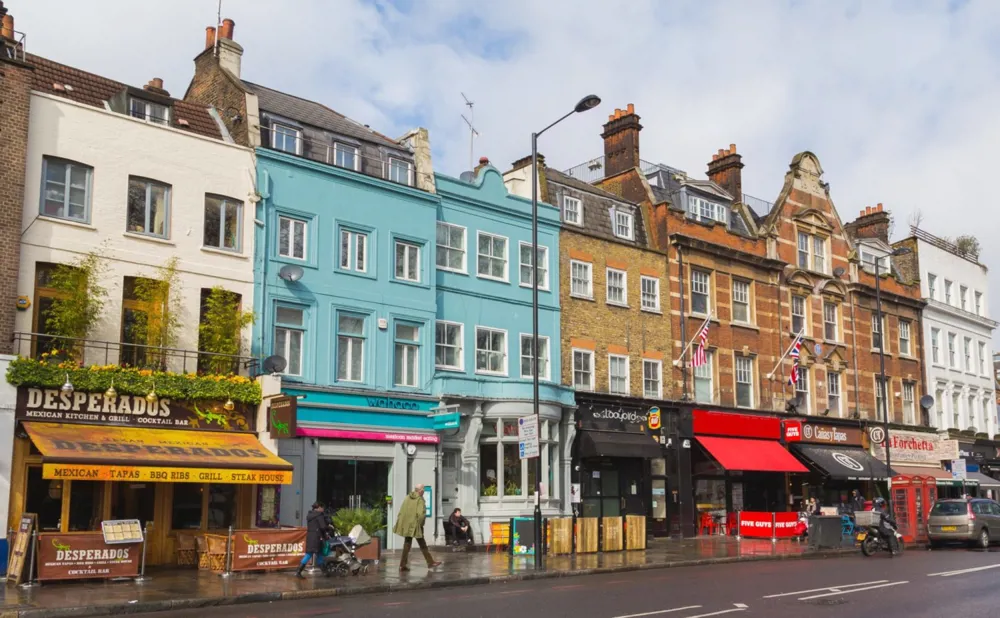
(897, 99)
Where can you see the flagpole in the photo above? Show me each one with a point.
(696, 335)
(770, 376)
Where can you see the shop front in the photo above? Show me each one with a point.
(980, 461)
(181, 468)
(837, 461)
(620, 461)
(358, 450)
(739, 465)
(920, 454)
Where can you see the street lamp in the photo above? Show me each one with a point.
(588, 102)
(881, 361)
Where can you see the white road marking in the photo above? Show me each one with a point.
(833, 594)
(661, 611)
(962, 571)
(833, 588)
(739, 608)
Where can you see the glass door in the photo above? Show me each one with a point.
(353, 484)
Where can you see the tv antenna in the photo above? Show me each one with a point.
(472, 130)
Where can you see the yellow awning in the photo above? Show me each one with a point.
(109, 453)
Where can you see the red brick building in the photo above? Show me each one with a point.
(760, 275)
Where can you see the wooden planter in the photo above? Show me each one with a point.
(372, 551)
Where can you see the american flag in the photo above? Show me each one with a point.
(700, 355)
(793, 377)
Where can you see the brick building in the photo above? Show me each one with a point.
(616, 340)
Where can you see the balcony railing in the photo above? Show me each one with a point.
(13, 49)
(95, 352)
(759, 206)
(392, 169)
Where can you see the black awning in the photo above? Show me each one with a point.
(847, 463)
(618, 444)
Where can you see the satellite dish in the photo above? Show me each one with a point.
(839, 272)
(291, 273)
(274, 364)
(466, 177)
(926, 402)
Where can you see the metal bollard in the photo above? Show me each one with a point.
(31, 583)
(739, 529)
(774, 528)
(142, 565)
(227, 560)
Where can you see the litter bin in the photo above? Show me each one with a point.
(824, 532)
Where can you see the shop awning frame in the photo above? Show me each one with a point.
(593, 443)
(749, 455)
(842, 462)
(109, 452)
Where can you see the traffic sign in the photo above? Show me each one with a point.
(527, 435)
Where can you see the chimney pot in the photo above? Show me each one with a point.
(868, 210)
(611, 117)
(722, 152)
(228, 26)
(862, 213)
(7, 27)
(156, 82)
(209, 37)
(879, 208)
(732, 148)
(631, 108)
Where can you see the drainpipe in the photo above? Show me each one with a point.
(684, 340)
(854, 336)
(262, 181)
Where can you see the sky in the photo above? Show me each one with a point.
(898, 99)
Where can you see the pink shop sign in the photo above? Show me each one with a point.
(375, 436)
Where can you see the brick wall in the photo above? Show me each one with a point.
(607, 329)
(15, 88)
(213, 86)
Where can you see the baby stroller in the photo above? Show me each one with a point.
(339, 557)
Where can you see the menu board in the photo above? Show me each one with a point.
(21, 549)
(118, 531)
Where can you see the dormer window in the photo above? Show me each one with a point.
(624, 225)
(285, 138)
(703, 210)
(345, 156)
(149, 111)
(400, 171)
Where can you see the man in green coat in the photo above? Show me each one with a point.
(410, 525)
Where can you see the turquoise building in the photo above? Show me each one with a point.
(483, 359)
(346, 296)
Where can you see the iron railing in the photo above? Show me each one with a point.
(759, 206)
(326, 152)
(13, 49)
(96, 352)
(944, 244)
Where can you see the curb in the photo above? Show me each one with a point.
(293, 595)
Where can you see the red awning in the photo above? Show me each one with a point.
(740, 454)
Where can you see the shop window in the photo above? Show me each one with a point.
(221, 506)
(502, 472)
(85, 505)
(133, 501)
(186, 510)
(44, 498)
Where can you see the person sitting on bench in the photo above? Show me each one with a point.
(461, 529)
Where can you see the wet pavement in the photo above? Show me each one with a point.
(176, 589)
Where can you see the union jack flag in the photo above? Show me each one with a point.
(700, 355)
(793, 377)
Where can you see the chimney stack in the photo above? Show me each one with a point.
(621, 141)
(6, 24)
(725, 170)
(871, 223)
(230, 52)
(209, 37)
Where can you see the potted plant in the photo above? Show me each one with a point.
(372, 521)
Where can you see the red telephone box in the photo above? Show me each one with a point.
(912, 500)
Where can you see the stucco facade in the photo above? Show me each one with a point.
(191, 166)
(485, 304)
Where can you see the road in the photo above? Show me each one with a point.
(919, 584)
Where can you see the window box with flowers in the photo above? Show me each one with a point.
(503, 475)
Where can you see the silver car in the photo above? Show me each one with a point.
(973, 520)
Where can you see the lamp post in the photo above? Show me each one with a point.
(588, 102)
(881, 362)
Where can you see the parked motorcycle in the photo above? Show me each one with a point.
(872, 542)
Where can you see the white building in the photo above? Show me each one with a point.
(139, 177)
(957, 335)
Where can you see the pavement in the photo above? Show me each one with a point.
(169, 590)
(918, 584)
